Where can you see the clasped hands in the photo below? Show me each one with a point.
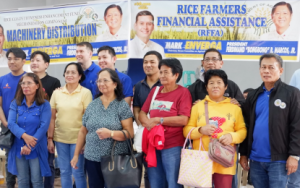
(30, 142)
(151, 123)
(208, 130)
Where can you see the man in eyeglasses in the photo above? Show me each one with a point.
(212, 59)
(141, 43)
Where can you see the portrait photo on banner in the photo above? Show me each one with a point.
(240, 30)
(57, 30)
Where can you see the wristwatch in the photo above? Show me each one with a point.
(295, 157)
(161, 120)
(111, 134)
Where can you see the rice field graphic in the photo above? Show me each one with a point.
(230, 33)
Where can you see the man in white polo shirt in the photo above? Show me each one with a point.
(141, 43)
(113, 19)
(282, 13)
(3, 59)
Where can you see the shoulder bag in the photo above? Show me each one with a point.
(138, 137)
(6, 136)
(122, 171)
(224, 155)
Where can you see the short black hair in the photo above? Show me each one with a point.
(248, 90)
(271, 55)
(86, 44)
(2, 29)
(110, 50)
(212, 50)
(18, 52)
(113, 6)
(144, 13)
(175, 66)
(115, 78)
(45, 56)
(282, 3)
(156, 53)
(79, 69)
(215, 72)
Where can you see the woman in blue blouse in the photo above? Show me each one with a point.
(28, 119)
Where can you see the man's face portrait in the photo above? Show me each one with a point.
(282, 17)
(113, 18)
(144, 26)
(2, 38)
(270, 70)
(212, 61)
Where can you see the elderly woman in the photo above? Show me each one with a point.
(104, 119)
(226, 124)
(29, 118)
(171, 109)
(68, 105)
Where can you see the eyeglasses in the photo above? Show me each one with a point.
(212, 60)
(102, 81)
(26, 84)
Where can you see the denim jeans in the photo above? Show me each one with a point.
(165, 175)
(10, 178)
(32, 166)
(65, 153)
(268, 174)
(49, 181)
(294, 179)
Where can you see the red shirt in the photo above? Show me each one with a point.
(174, 103)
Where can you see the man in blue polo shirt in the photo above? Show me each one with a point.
(8, 87)
(272, 116)
(84, 53)
(107, 59)
(143, 88)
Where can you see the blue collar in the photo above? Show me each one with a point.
(24, 103)
(117, 70)
(93, 65)
(265, 90)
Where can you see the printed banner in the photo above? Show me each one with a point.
(56, 31)
(240, 30)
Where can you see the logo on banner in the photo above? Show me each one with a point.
(142, 5)
(87, 12)
(95, 17)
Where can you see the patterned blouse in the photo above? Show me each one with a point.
(95, 117)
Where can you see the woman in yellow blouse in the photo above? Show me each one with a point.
(226, 123)
(68, 106)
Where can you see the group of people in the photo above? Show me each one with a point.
(83, 118)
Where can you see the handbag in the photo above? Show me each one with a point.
(138, 137)
(6, 136)
(122, 171)
(224, 155)
(195, 166)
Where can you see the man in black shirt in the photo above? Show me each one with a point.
(212, 59)
(143, 88)
(39, 62)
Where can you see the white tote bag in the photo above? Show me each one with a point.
(138, 137)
